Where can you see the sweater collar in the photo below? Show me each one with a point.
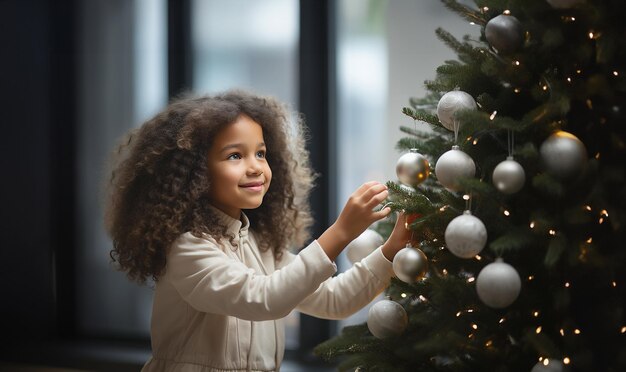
(237, 227)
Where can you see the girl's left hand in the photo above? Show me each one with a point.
(398, 238)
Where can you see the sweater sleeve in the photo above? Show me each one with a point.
(348, 292)
(210, 281)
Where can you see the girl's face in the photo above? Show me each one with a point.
(240, 175)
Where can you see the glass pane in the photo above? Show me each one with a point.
(123, 81)
(385, 51)
(252, 45)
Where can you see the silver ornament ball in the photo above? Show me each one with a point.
(412, 168)
(387, 319)
(498, 284)
(363, 245)
(452, 102)
(509, 176)
(451, 166)
(466, 235)
(410, 264)
(564, 4)
(548, 365)
(504, 33)
(564, 155)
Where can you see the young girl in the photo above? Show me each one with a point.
(206, 199)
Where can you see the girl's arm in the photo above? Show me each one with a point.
(343, 295)
(210, 281)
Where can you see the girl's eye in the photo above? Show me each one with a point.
(234, 156)
(260, 154)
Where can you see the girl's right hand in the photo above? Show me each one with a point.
(357, 215)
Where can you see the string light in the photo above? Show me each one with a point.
(566, 360)
(485, 9)
(614, 284)
(562, 332)
(502, 321)
(493, 115)
(444, 271)
(466, 197)
(579, 71)
(422, 298)
(507, 213)
(530, 277)
(552, 232)
(569, 79)
(478, 257)
(589, 104)
(567, 284)
(474, 326)
(538, 330)
(458, 314)
(587, 207)
(623, 330)
(597, 156)
(517, 90)
(471, 279)
(605, 213)
(516, 63)
(532, 224)
(536, 314)
(601, 220)
(546, 362)
(545, 87)
(443, 208)
(615, 73)
(589, 240)
(507, 12)
(577, 331)
(403, 295)
(488, 343)
(475, 141)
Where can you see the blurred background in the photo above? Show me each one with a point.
(77, 74)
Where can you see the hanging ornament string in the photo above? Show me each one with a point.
(511, 141)
(457, 125)
(468, 201)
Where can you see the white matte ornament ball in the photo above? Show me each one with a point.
(504, 33)
(452, 102)
(564, 155)
(363, 245)
(564, 4)
(451, 166)
(509, 176)
(552, 365)
(466, 235)
(412, 168)
(410, 264)
(387, 319)
(498, 284)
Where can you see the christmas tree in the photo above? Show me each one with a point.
(516, 199)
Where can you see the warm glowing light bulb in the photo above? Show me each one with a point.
(562, 332)
(546, 362)
(466, 197)
(507, 12)
(589, 240)
(507, 213)
(474, 326)
(566, 284)
(623, 330)
(516, 63)
(403, 295)
(591, 35)
(493, 115)
(531, 277)
(615, 73)
(471, 279)
(566, 360)
(538, 330)
(478, 257)
(536, 314)
(577, 331)
(532, 225)
(502, 321)
(458, 314)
